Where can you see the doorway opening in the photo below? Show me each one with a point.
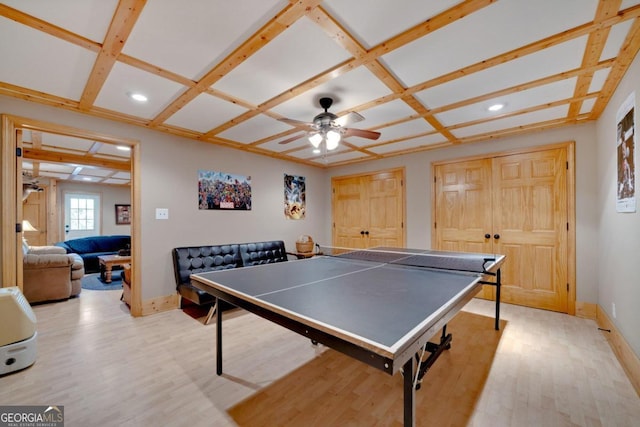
(15, 154)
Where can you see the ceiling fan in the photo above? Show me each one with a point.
(330, 128)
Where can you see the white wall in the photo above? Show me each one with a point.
(418, 188)
(110, 195)
(619, 233)
(168, 179)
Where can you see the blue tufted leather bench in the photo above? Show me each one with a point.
(190, 260)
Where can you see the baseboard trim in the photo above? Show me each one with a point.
(160, 304)
(586, 310)
(628, 359)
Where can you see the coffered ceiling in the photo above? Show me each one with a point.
(422, 73)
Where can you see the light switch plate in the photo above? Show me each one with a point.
(162, 213)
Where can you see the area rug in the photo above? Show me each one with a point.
(337, 390)
(92, 281)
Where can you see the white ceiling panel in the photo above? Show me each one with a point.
(513, 102)
(275, 145)
(87, 18)
(598, 80)
(348, 90)
(124, 80)
(383, 114)
(562, 57)
(60, 176)
(63, 141)
(112, 150)
(56, 167)
(615, 40)
(374, 21)
(511, 122)
(254, 129)
(293, 57)
(115, 181)
(495, 29)
(409, 144)
(401, 130)
(29, 63)
(188, 38)
(587, 106)
(95, 172)
(205, 113)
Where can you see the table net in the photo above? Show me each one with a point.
(455, 261)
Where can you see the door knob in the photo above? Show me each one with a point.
(366, 232)
(487, 236)
(496, 236)
(362, 232)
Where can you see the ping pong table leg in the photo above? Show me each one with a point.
(498, 286)
(409, 394)
(219, 340)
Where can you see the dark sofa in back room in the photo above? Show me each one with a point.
(90, 248)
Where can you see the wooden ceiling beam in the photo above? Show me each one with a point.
(75, 159)
(45, 27)
(258, 40)
(628, 52)
(592, 53)
(125, 17)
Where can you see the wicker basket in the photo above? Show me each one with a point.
(305, 247)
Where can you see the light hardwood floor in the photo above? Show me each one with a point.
(109, 369)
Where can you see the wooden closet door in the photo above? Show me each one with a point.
(349, 213)
(368, 210)
(385, 209)
(463, 215)
(514, 205)
(530, 217)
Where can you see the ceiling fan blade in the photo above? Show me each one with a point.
(295, 123)
(362, 133)
(349, 118)
(293, 138)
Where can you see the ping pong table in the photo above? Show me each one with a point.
(380, 306)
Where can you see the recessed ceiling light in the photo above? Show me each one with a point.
(496, 107)
(136, 96)
(123, 148)
(316, 151)
(86, 178)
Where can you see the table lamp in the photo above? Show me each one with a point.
(26, 226)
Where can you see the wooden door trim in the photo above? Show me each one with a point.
(9, 203)
(569, 146)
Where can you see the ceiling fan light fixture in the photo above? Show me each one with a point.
(315, 139)
(333, 139)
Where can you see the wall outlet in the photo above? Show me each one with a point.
(613, 309)
(162, 213)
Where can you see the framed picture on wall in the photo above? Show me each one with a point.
(123, 214)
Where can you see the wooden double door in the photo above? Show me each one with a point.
(513, 204)
(368, 210)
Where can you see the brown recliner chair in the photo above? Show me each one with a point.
(50, 274)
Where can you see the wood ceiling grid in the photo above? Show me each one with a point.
(129, 10)
(595, 45)
(629, 49)
(122, 23)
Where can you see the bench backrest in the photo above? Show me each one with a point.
(198, 259)
(262, 252)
